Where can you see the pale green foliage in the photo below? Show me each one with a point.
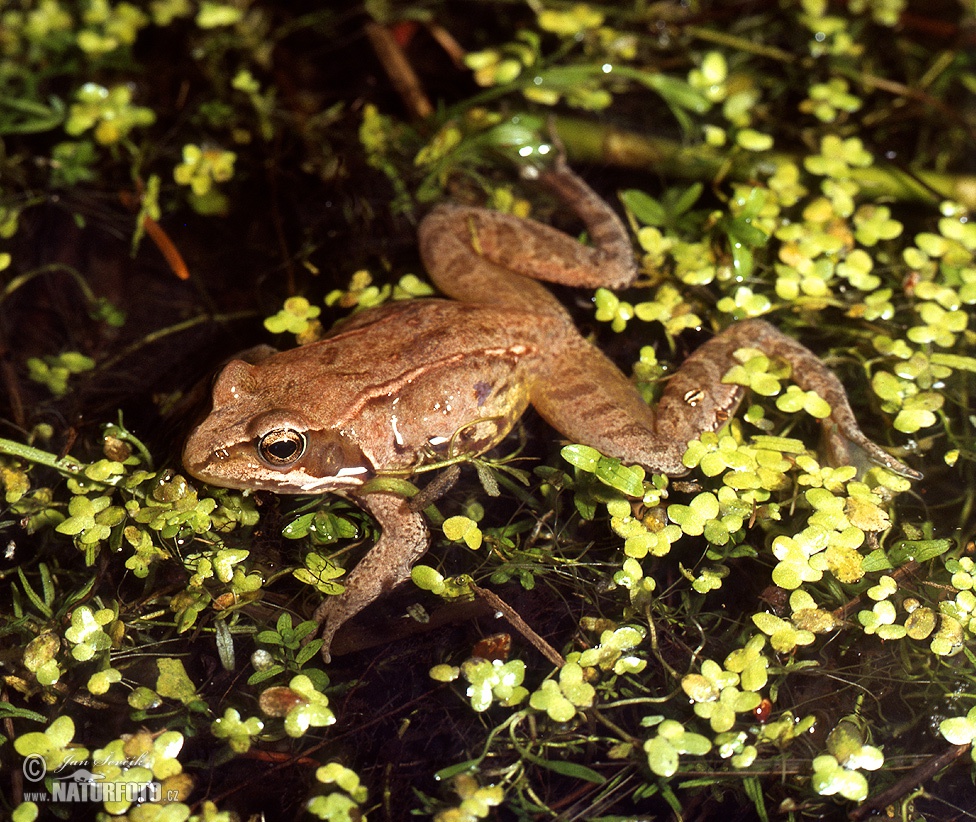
(609, 470)
(757, 372)
(201, 169)
(476, 800)
(745, 303)
(642, 537)
(561, 699)
(792, 238)
(488, 680)
(311, 709)
(704, 515)
(672, 740)
(719, 693)
(609, 654)
(344, 803)
(827, 100)
(86, 632)
(108, 111)
(631, 577)
(53, 743)
(295, 317)
(960, 730)
(839, 770)
(137, 758)
(236, 731)
(54, 372)
(40, 658)
(463, 529)
(320, 572)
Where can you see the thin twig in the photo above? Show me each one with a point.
(399, 71)
(519, 625)
(908, 783)
(162, 333)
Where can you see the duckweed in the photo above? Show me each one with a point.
(701, 601)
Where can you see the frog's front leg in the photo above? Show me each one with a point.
(583, 395)
(404, 540)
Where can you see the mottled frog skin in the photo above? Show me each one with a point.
(396, 383)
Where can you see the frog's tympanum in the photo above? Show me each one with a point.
(397, 383)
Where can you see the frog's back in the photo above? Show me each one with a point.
(405, 377)
(404, 340)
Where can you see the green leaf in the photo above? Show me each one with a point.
(958, 730)
(173, 681)
(572, 769)
(298, 528)
(686, 199)
(676, 93)
(920, 550)
(460, 528)
(955, 361)
(628, 479)
(662, 758)
(448, 773)
(6, 709)
(308, 651)
(427, 578)
(37, 602)
(609, 470)
(644, 207)
(581, 456)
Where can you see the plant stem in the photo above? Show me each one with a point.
(589, 141)
(68, 466)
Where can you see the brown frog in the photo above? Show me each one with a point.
(397, 383)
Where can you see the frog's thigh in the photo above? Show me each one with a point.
(404, 540)
(585, 397)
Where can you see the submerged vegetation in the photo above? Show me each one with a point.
(776, 630)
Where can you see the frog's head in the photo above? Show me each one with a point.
(251, 441)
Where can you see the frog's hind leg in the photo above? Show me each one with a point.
(480, 256)
(811, 374)
(587, 399)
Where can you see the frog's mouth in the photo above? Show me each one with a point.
(221, 471)
(300, 481)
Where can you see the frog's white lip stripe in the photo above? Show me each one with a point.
(300, 481)
(319, 485)
(351, 471)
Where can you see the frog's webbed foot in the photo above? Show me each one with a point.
(404, 540)
(840, 429)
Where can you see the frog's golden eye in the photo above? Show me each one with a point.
(282, 446)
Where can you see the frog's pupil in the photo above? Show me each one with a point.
(282, 446)
(283, 449)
